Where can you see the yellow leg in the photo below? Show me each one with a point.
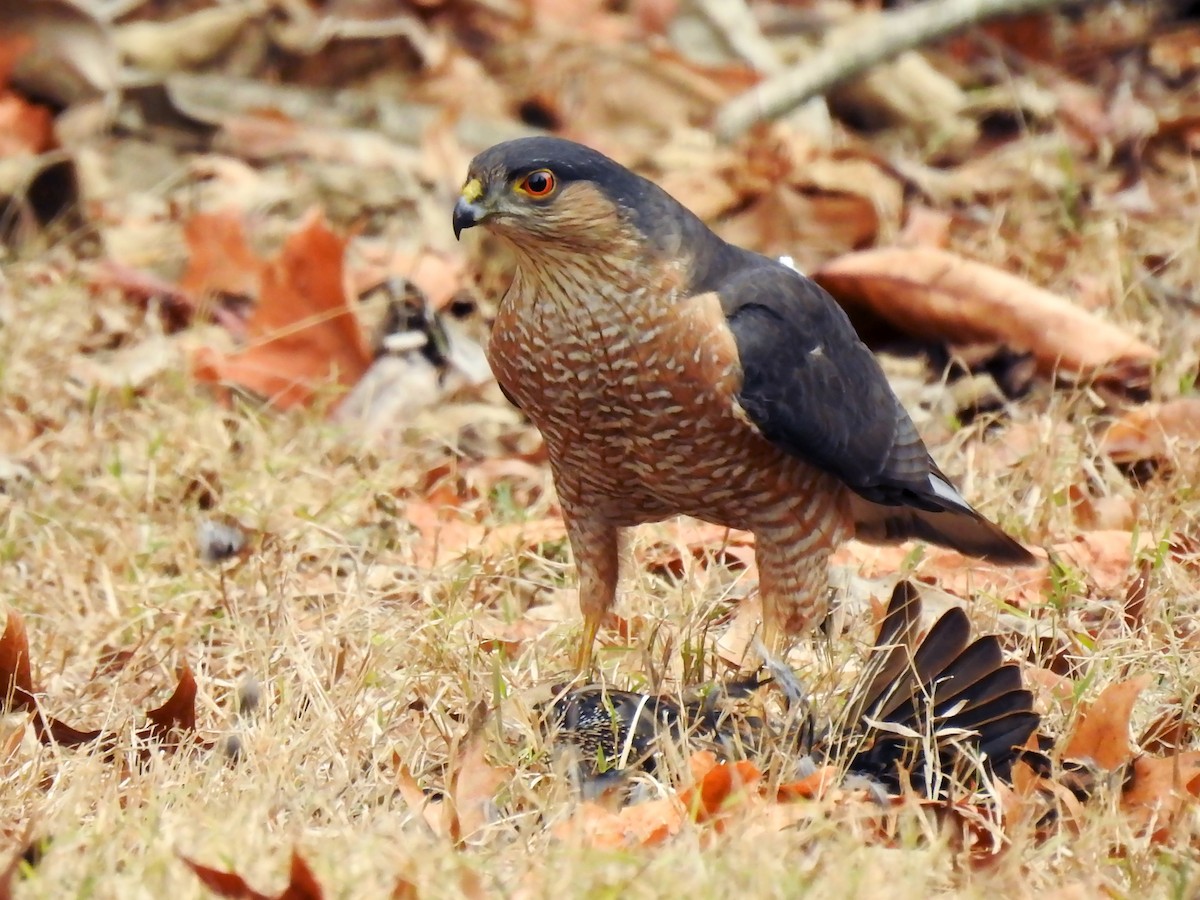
(597, 559)
(583, 655)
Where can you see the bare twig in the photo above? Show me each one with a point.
(734, 20)
(855, 48)
(737, 25)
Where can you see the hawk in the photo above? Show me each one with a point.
(671, 372)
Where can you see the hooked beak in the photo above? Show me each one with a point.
(468, 211)
(466, 215)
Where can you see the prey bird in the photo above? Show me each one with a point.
(936, 712)
(670, 373)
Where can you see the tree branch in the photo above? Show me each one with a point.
(851, 50)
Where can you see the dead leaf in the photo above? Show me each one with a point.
(26, 129)
(16, 677)
(646, 824)
(925, 227)
(810, 787)
(187, 41)
(720, 788)
(220, 261)
(431, 811)
(405, 889)
(303, 332)
(302, 885)
(177, 715)
(1102, 731)
(1158, 432)
(699, 541)
(1176, 53)
(1158, 789)
(734, 646)
(72, 58)
(473, 787)
(935, 295)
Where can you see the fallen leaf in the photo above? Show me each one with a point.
(1159, 432)
(1176, 52)
(220, 261)
(473, 786)
(699, 540)
(431, 811)
(302, 885)
(932, 294)
(26, 129)
(303, 332)
(1158, 789)
(187, 41)
(16, 677)
(810, 787)
(1102, 732)
(177, 715)
(72, 58)
(925, 227)
(720, 788)
(646, 824)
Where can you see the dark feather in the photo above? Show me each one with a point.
(813, 388)
(950, 686)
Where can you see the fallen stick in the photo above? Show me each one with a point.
(854, 48)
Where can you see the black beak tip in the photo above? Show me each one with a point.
(466, 215)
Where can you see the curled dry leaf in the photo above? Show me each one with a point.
(1102, 732)
(1158, 432)
(935, 295)
(698, 540)
(811, 786)
(188, 41)
(72, 57)
(17, 692)
(302, 884)
(431, 811)
(178, 714)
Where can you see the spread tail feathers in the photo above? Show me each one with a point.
(944, 704)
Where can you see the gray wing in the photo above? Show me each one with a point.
(813, 388)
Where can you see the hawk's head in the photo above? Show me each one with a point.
(544, 191)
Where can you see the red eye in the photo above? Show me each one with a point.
(539, 183)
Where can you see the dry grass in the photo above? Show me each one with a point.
(365, 659)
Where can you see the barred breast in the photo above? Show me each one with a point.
(634, 394)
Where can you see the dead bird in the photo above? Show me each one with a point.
(927, 711)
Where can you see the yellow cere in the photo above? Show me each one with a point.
(472, 190)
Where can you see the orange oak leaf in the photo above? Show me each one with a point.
(1163, 432)
(220, 260)
(303, 334)
(17, 693)
(178, 714)
(1102, 732)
